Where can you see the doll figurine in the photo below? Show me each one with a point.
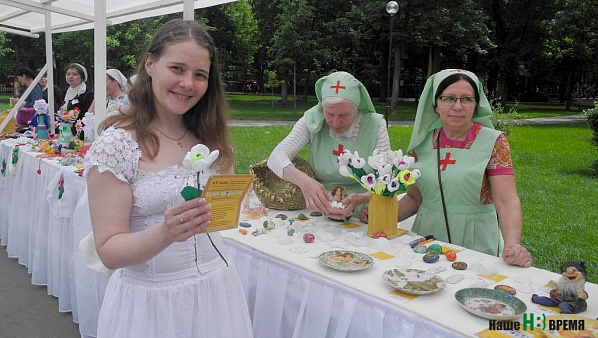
(40, 121)
(569, 293)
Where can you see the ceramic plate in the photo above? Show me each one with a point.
(590, 327)
(414, 281)
(491, 304)
(344, 260)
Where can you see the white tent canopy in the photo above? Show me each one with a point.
(30, 17)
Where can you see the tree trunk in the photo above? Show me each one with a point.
(284, 89)
(396, 77)
(568, 96)
(306, 85)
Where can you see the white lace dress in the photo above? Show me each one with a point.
(187, 290)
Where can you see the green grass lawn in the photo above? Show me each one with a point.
(557, 189)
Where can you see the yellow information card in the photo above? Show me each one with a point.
(225, 193)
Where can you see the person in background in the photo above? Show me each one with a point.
(117, 87)
(467, 177)
(77, 95)
(344, 118)
(43, 81)
(171, 280)
(24, 76)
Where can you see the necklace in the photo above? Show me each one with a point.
(178, 140)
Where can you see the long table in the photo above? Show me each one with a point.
(290, 294)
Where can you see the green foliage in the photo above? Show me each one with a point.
(592, 117)
(503, 119)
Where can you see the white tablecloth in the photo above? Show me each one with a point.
(289, 293)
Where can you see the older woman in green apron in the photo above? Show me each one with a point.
(468, 180)
(344, 118)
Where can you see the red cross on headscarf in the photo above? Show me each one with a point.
(338, 86)
(458, 71)
(446, 161)
(339, 151)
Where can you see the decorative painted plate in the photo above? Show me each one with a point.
(574, 328)
(414, 281)
(344, 260)
(491, 304)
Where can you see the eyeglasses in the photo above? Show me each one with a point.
(451, 100)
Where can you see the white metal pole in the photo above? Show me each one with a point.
(50, 71)
(99, 39)
(188, 10)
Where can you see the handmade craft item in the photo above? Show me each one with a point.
(569, 292)
(40, 120)
(345, 260)
(65, 135)
(89, 127)
(198, 159)
(309, 237)
(450, 255)
(390, 176)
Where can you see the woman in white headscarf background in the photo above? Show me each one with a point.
(468, 180)
(77, 95)
(344, 118)
(117, 87)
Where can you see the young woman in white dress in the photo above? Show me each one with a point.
(170, 281)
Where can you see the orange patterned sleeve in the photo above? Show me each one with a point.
(500, 161)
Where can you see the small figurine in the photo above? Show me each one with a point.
(569, 293)
(40, 121)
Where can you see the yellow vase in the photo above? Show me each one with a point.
(382, 216)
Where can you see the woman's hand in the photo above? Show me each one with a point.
(351, 202)
(517, 255)
(316, 196)
(363, 215)
(187, 219)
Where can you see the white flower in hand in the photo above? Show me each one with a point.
(357, 162)
(369, 180)
(199, 158)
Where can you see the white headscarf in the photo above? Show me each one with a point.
(120, 78)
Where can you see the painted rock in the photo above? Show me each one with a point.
(281, 216)
(420, 248)
(290, 231)
(380, 234)
(506, 289)
(269, 225)
(302, 217)
(459, 265)
(435, 248)
(309, 237)
(245, 224)
(243, 231)
(450, 255)
(430, 258)
(315, 213)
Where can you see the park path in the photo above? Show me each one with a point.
(535, 121)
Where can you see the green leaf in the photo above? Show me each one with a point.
(190, 193)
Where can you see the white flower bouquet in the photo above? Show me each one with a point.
(198, 159)
(391, 173)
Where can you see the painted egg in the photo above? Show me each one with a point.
(435, 248)
(450, 255)
(459, 265)
(315, 213)
(243, 231)
(380, 234)
(302, 217)
(282, 216)
(430, 257)
(309, 237)
(420, 248)
(245, 224)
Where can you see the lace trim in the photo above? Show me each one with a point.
(349, 134)
(114, 151)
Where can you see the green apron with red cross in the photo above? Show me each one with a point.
(324, 152)
(472, 225)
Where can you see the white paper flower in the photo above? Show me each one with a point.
(384, 169)
(385, 179)
(344, 170)
(375, 161)
(357, 162)
(416, 173)
(369, 180)
(199, 158)
(393, 185)
(344, 158)
(403, 162)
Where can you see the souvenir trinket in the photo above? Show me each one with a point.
(258, 232)
(243, 231)
(450, 255)
(309, 237)
(315, 213)
(380, 234)
(245, 224)
(269, 225)
(506, 288)
(430, 258)
(435, 248)
(302, 217)
(290, 231)
(257, 212)
(459, 265)
(282, 216)
(573, 277)
(421, 249)
(337, 195)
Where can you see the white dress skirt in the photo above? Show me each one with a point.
(191, 288)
